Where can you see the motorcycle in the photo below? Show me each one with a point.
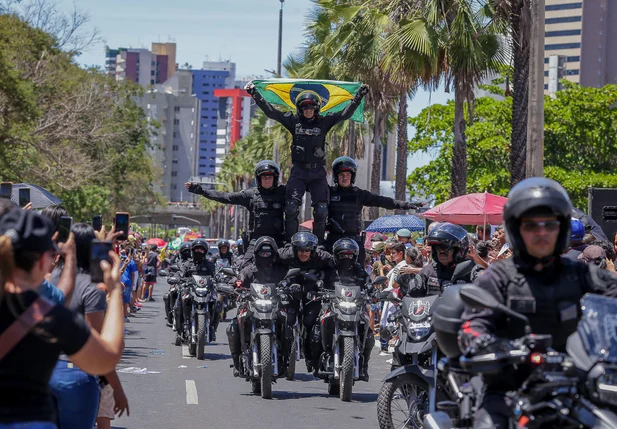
(343, 311)
(566, 390)
(265, 333)
(415, 385)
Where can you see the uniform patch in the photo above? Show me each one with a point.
(522, 304)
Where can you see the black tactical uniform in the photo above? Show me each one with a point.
(435, 276)
(347, 271)
(549, 297)
(171, 297)
(320, 261)
(346, 204)
(308, 154)
(266, 206)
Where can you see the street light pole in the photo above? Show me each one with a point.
(535, 111)
(275, 154)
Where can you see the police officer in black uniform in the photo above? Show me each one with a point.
(449, 265)
(264, 269)
(346, 271)
(224, 253)
(536, 281)
(308, 152)
(265, 203)
(303, 252)
(347, 201)
(171, 297)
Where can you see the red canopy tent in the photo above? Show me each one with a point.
(471, 209)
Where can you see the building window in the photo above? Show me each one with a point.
(558, 46)
(175, 134)
(203, 157)
(565, 6)
(176, 108)
(572, 72)
(174, 161)
(174, 187)
(174, 174)
(214, 117)
(175, 147)
(176, 121)
(562, 33)
(563, 19)
(573, 59)
(545, 72)
(546, 87)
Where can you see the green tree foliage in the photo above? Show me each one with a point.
(580, 143)
(75, 132)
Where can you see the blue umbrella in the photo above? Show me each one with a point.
(395, 222)
(39, 197)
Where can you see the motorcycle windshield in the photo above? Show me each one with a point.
(262, 291)
(347, 292)
(598, 327)
(222, 263)
(418, 309)
(201, 281)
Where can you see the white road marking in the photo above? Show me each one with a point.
(185, 352)
(191, 393)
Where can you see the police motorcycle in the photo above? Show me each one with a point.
(343, 310)
(566, 390)
(414, 386)
(265, 332)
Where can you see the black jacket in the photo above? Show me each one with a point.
(321, 260)
(345, 208)
(205, 268)
(309, 136)
(434, 277)
(356, 275)
(266, 208)
(251, 274)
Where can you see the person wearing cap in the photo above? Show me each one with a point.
(594, 255)
(27, 252)
(378, 236)
(536, 281)
(347, 201)
(403, 235)
(576, 240)
(308, 151)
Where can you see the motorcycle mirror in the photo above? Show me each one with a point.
(167, 260)
(293, 272)
(163, 273)
(380, 280)
(479, 299)
(229, 271)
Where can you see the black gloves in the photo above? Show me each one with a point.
(295, 288)
(363, 90)
(250, 88)
(195, 188)
(410, 206)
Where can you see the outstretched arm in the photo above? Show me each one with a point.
(370, 199)
(242, 198)
(285, 118)
(335, 117)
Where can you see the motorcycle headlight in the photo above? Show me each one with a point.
(201, 291)
(348, 307)
(417, 331)
(263, 305)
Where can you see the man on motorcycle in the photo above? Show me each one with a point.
(265, 203)
(224, 252)
(171, 297)
(346, 270)
(347, 201)
(537, 282)
(303, 252)
(263, 270)
(449, 246)
(308, 152)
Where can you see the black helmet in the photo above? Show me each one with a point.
(304, 240)
(537, 195)
(222, 242)
(185, 251)
(267, 167)
(199, 243)
(344, 163)
(449, 235)
(308, 98)
(266, 251)
(345, 252)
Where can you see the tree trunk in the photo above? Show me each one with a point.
(352, 139)
(459, 152)
(401, 149)
(376, 170)
(521, 33)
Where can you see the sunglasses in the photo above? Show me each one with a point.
(533, 226)
(442, 247)
(305, 250)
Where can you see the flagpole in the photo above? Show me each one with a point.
(275, 154)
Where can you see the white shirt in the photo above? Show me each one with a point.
(389, 307)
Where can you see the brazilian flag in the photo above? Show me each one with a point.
(175, 245)
(334, 95)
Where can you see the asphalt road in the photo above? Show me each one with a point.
(182, 392)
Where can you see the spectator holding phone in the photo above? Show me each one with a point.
(27, 253)
(151, 268)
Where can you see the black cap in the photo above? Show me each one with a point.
(29, 232)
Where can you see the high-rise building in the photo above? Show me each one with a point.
(141, 65)
(584, 33)
(213, 118)
(175, 143)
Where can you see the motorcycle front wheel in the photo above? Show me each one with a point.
(201, 336)
(347, 369)
(402, 403)
(266, 366)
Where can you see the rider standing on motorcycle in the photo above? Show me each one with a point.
(303, 252)
(537, 282)
(449, 246)
(308, 152)
(263, 270)
(346, 271)
(265, 203)
(347, 201)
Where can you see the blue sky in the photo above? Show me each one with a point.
(243, 31)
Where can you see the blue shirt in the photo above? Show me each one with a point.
(127, 275)
(51, 292)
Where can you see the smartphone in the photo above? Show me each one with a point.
(6, 190)
(24, 196)
(97, 222)
(64, 228)
(99, 251)
(122, 224)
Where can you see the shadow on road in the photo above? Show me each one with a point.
(216, 356)
(356, 397)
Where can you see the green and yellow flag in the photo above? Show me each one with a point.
(335, 95)
(175, 245)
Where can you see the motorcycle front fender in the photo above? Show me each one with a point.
(425, 374)
(437, 420)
